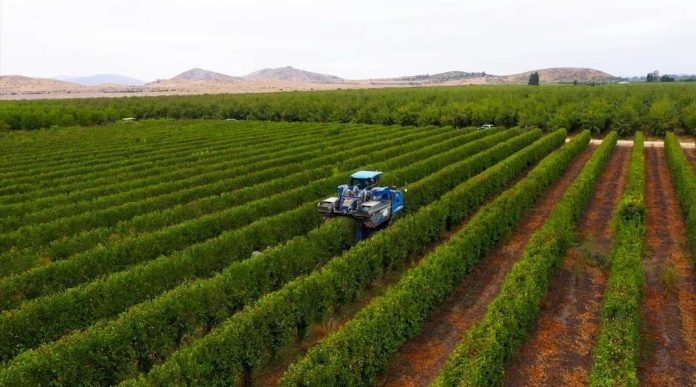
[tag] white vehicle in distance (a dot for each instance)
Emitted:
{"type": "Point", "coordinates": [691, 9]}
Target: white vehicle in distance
{"type": "Point", "coordinates": [486, 126]}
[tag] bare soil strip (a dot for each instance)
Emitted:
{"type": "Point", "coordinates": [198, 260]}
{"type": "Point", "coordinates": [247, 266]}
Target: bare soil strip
{"type": "Point", "coordinates": [271, 374]}
{"type": "Point", "coordinates": [559, 350]}
{"type": "Point", "coordinates": [419, 361]}
{"type": "Point", "coordinates": [668, 313]}
{"type": "Point", "coordinates": [691, 155]}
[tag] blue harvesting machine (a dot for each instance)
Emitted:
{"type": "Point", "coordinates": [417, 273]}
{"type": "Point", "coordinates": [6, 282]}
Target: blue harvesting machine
{"type": "Point", "coordinates": [371, 206]}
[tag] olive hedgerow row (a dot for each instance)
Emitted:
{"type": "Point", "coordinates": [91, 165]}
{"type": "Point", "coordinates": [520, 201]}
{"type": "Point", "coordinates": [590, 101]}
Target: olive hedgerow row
{"type": "Point", "coordinates": [481, 356]}
{"type": "Point", "coordinates": [186, 294]}
{"type": "Point", "coordinates": [61, 155]}
{"type": "Point", "coordinates": [18, 260]}
{"type": "Point", "coordinates": [209, 170]}
{"type": "Point", "coordinates": [199, 155]}
{"type": "Point", "coordinates": [215, 133]}
{"type": "Point", "coordinates": [108, 210]}
{"type": "Point", "coordinates": [244, 341]}
{"type": "Point", "coordinates": [146, 334]}
{"type": "Point", "coordinates": [66, 310]}
{"type": "Point", "coordinates": [617, 351]}
{"type": "Point", "coordinates": [89, 264]}
{"type": "Point", "coordinates": [684, 178]}
{"type": "Point", "coordinates": [361, 349]}
{"type": "Point", "coordinates": [205, 152]}
{"type": "Point", "coordinates": [45, 177]}
{"type": "Point", "coordinates": [75, 144]}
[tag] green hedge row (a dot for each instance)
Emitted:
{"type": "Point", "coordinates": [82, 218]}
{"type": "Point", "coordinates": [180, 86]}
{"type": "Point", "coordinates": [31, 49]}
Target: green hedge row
{"type": "Point", "coordinates": [147, 147]}
{"type": "Point", "coordinates": [125, 166]}
{"type": "Point", "coordinates": [146, 334]}
{"type": "Point", "coordinates": [80, 306]}
{"type": "Point", "coordinates": [46, 166]}
{"type": "Point", "coordinates": [63, 147]}
{"type": "Point", "coordinates": [684, 178]}
{"type": "Point", "coordinates": [201, 158]}
{"type": "Point", "coordinates": [617, 351]}
{"type": "Point", "coordinates": [16, 261]}
{"type": "Point", "coordinates": [55, 220]}
{"type": "Point", "coordinates": [90, 264]}
{"type": "Point", "coordinates": [596, 108]}
{"type": "Point", "coordinates": [361, 349]}
{"type": "Point", "coordinates": [246, 340]}
{"type": "Point", "coordinates": [481, 356]}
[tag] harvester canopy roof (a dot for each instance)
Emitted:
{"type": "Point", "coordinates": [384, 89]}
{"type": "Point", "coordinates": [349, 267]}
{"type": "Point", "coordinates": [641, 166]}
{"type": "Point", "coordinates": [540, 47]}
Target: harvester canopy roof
{"type": "Point", "coordinates": [366, 174]}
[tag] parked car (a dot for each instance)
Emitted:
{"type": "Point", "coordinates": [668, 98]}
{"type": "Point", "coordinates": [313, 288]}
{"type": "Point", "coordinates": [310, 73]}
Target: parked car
{"type": "Point", "coordinates": [486, 126]}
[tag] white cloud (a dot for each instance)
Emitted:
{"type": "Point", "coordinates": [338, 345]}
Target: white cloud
{"type": "Point", "coordinates": [355, 39]}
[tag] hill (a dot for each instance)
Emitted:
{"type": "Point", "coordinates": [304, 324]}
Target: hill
{"type": "Point", "coordinates": [560, 74]}
{"type": "Point", "coordinates": [438, 78]}
{"type": "Point", "coordinates": [16, 84]}
{"type": "Point", "coordinates": [292, 74]}
{"type": "Point", "coordinates": [203, 75]}
{"type": "Point", "coordinates": [102, 79]}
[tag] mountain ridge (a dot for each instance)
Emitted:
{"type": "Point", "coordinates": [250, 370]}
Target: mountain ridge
{"type": "Point", "coordinates": [101, 79]}
{"type": "Point", "coordinates": [197, 81]}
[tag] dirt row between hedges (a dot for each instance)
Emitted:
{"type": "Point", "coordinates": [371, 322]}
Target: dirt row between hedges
{"type": "Point", "coordinates": [559, 349]}
{"type": "Point", "coordinates": [668, 313]}
{"type": "Point", "coordinates": [420, 360]}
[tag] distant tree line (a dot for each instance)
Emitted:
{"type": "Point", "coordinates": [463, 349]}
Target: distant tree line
{"type": "Point", "coordinates": [655, 77]}
{"type": "Point", "coordinates": [626, 108]}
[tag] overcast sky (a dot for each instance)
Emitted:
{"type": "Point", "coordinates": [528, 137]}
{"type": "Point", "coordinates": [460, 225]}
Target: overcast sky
{"type": "Point", "coordinates": [149, 39]}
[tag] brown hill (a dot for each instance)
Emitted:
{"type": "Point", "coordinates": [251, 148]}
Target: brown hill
{"type": "Point", "coordinates": [292, 74]}
{"type": "Point", "coordinates": [560, 74]}
{"type": "Point", "coordinates": [18, 84]}
{"type": "Point", "coordinates": [204, 75]}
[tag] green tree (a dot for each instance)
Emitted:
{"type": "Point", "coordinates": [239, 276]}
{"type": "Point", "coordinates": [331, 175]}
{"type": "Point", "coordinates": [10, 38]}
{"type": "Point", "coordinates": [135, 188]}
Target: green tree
{"type": "Point", "coordinates": [662, 117]}
{"type": "Point", "coordinates": [688, 117]}
{"type": "Point", "coordinates": [666, 78]}
{"type": "Point", "coordinates": [534, 79]}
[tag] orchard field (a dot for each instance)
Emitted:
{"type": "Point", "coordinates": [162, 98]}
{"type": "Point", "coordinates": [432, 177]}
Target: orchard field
{"type": "Point", "coordinates": [177, 251]}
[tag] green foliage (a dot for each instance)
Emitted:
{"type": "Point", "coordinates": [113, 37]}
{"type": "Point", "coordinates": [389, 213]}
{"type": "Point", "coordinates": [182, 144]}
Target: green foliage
{"type": "Point", "coordinates": [356, 353]}
{"type": "Point", "coordinates": [596, 117]}
{"type": "Point", "coordinates": [481, 356]}
{"type": "Point", "coordinates": [662, 116]}
{"type": "Point", "coordinates": [688, 115]}
{"type": "Point", "coordinates": [684, 178]}
{"type": "Point", "coordinates": [139, 248]}
{"type": "Point", "coordinates": [508, 106]}
{"type": "Point", "coordinates": [533, 79]}
{"type": "Point", "coordinates": [146, 334]}
{"type": "Point", "coordinates": [617, 349]}
{"type": "Point", "coordinates": [244, 341]}
{"type": "Point", "coordinates": [80, 306]}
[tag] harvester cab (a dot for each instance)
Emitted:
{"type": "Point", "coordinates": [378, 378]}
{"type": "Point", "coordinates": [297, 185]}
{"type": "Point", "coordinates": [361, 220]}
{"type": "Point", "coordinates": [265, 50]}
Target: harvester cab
{"type": "Point", "coordinates": [362, 199]}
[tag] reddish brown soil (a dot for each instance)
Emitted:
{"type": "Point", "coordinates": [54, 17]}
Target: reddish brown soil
{"type": "Point", "coordinates": [559, 349]}
{"type": "Point", "coordinates": [668, 313]}
{"type": "Point", "coordinates": [271, 374]}
{"type": "Point", "coordinates": [691, 155]}
{"type": "Point", "coordinates": [419, 361]}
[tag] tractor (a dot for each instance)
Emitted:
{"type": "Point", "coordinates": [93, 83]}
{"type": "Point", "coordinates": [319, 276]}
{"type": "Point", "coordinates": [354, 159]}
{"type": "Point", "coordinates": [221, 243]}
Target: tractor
{"type": "Point", "coordinates": [368, 204]}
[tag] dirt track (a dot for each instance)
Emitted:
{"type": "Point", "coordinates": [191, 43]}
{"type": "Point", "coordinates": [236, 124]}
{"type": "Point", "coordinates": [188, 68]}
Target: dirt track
{"type": "Point", "coordinates": [691, 155]}
{"type": "Point", "coordinates": [668, 313]}
{"type": "Point", "coordinates": [559, 350]}
{"type": "Point", "coordinates": [419, 361]}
